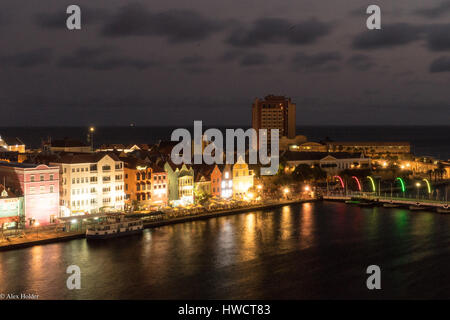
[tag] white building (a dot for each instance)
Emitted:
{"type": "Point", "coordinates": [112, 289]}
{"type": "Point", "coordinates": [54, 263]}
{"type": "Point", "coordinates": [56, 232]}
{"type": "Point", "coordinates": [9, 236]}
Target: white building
{"type": "Point", "coordinates": [332, 163]}
{"type": "Point", "coordinates": [91, 183]}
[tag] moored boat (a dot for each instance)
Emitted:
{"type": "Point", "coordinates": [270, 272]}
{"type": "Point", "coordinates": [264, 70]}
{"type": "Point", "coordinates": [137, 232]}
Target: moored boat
{"type": "Point", "coordinates": [117, 228]}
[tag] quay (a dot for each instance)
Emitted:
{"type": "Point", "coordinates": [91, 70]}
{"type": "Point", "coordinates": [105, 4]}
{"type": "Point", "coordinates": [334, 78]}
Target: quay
{"type": "Point", "coordinates": [405, 202]}
{"type": "Point", "coordinates": [54, 236]}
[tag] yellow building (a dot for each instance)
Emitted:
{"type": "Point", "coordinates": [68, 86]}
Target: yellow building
{"type": "Point", "coordinates": [242, 179]}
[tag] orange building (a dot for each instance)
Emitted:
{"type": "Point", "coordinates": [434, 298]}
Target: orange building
{"type": "Point", "coordinates": [216, 180]}
{"type": "Point", "coordinates": [138, 182]}
{"type": "Point", "coordinates": [160, 190]}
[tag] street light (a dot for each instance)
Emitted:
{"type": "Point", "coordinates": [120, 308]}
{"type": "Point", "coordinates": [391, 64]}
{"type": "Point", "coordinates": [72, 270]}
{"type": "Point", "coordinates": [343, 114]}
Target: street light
{"type": "Point", "coordinates": [418, 188]}
{"type": "Point", "coordinates": [36, 224]}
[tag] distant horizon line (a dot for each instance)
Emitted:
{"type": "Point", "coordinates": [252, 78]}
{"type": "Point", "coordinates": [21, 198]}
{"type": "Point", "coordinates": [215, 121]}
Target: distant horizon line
{"type": "Point", "coordinates": [220, 126]}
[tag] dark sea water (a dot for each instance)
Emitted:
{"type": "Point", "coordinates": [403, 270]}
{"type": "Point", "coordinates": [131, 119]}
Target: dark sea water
{"type": "Point", "coordinates": [426, 141]}
{"type": "Point", "coordinates": [305, 251]}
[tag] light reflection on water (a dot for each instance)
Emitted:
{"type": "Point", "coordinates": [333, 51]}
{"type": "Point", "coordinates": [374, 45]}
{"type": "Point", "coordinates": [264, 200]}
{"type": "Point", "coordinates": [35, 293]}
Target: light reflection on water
{"type": "Point", "coordinates": [310, 250]}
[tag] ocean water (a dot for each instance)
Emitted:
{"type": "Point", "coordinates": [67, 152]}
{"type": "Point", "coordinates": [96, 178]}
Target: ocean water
{"type": "Point", "coordinates": [425, 140]}
{"type": "Point", "coordinates": [305, 251]}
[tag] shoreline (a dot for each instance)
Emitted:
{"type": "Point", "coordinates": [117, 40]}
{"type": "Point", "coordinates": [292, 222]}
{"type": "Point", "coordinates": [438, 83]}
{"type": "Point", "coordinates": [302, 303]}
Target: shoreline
{"type": "Point", "coordinates": [156, 224]}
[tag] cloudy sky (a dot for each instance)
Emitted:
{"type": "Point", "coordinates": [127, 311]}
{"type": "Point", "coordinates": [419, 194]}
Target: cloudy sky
{"type": "Point", "coordinates": [169, 62]}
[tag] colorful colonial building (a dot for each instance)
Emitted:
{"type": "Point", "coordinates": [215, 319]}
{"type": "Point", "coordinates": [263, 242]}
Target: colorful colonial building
{"type": "Point", "coordinates": [38, 184]}
{"type": "Point", "coordinates": [12, 214]}
{"type": "Point", "coordinates": [242, 179]}
{"type": "Point", "coordinates": [181, 183]}
{"type": "Point", "coordinates": [91, 183]}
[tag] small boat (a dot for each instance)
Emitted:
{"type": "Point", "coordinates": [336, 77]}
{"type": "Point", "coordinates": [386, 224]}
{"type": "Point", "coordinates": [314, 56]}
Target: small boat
{"type": "Point", "coordinates": [352, 202]}
{"type": "Point", "coordinates": [443, 209]}
{"type": "Point", "coordinates": [390, 205]}
{"type": "Point", "coordinates": [116, 228]}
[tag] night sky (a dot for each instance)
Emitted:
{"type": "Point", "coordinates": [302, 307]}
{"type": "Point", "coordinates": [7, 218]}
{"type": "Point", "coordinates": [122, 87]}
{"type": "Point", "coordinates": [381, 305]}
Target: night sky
{"type": "Point", "coordinates": [165, 62]}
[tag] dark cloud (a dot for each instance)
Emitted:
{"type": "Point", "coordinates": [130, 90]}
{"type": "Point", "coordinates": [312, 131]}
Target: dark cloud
{"type": "Point", "coordinates": [175, 25]}
{"type": "Point", "coordinates": [440, 10]}
{"type": "Point", "coordinates": [27, 59]}
{"type": "Point", "coordinates": [438, 37]}
{"type": "Point", "coordinates": [101, 58]}
{"type": "Point", "coordinates": [190, 60]}
{"type": "Point", "coordinates": [233, 55]}
{"type": "Point", "coordinates": [275, 30]}
{"type": "Point", "coordinates": [360, 62]}
{"type": "Point", "coordinates": [254, 59]}
{"type": "Point", "coordinates": [441, 64]}
{"type": "Point", "coordinates": [389, 36]}
{"type": "Point", "coordinates": [323, 61]}
{"type": "Point", "coordinates": [57, 19]}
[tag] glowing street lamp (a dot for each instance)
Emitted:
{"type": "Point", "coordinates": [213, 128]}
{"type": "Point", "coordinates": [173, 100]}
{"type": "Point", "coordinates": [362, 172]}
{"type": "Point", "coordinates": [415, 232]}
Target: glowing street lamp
{"type": "Point", "coordinates": [259, 187]}
{"type": "Point", "coordinates": [286, 190]}
{"type": "Point", "coordinates": [307, 188]}
{"type": "Point", "coordinates": [418, 185]}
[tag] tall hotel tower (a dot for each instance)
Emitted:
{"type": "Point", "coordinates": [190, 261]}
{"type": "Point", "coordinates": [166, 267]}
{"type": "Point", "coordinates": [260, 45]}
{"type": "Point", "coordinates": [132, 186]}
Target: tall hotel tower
{"type": "Point", "coordinates": [274, 112]}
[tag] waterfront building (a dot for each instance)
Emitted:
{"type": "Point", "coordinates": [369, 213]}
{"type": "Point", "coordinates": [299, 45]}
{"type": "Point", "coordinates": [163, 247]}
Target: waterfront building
{"type": "Point", "coordinates": [12, 213]}
{"type": "Point", "coordinates": [202, 180]}
{"type": "Point", "coordinates": [274, 112]}
{"type": "Point", "coordinates": [309, 146]}
{"type": "Point", "coordinates": [216, 180]}
{"type": "Point", "coordinates": [242, 179]}
{"type": "Point", "coordinates": [138, 182]}
{"type": "Point", "coordinates": [181, 183]}
{"type": "Point", "coordinates": [332, 163]}
{"type": "Point", "coordinates": [13, 144]}
{"type": "Point", "coordinates": [371, 149]}
{"type": "Point", "coordinates": [291, 144]}
{"type": "Point", "coordinates": [39, 186]}
{"type": "Point", "coordinates": [91, 183]}
{"type": "Point", "coordinates": [226, 184]}
{"type": "Point", "coordinates": [122, 148]}
{"type": "Point", "coordinates": [160, 186]}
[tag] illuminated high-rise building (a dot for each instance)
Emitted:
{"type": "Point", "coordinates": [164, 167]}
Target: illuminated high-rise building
{"type": "Point", "coordinates": [274, 112]}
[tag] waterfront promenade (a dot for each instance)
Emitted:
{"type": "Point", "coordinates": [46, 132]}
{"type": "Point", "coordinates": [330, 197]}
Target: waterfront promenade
{"type": "Point", "coordinates": [38, 236]}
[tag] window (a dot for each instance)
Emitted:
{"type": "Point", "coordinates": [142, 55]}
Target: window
{"type": "Point", "coordinates": [73, 180]}
{"type": "Point", "coordinates": [41, 189]}
{"type": "Point", "coordinates": [32, 178]}
{"type": "Point", "coordinates": [106, 179]}
{"type": "Point", "coordinates": [51, 177]}
{"type": "Point", "coordinates": [78, 169]}
{"type": "Point", "coordinates": [51, 189]}
{"type": "Point", "coordinates": [93, 190]}
{"type": "Point", "coordinates": [73, 169]}
{"type": "Point", "coordinates": [65, 170]}
{"type": "Point", "coordinates": [106, 168]}
{"type": "Point", "coordinates": [93, 167]}
{"type": "Point", "coordinates": [78, 180]}
{"type": "Point", "coordinates": [32, 190]}
{"type": "Point", "coordinates": [93, 179]}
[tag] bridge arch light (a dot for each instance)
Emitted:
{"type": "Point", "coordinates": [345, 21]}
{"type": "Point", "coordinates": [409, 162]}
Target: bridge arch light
{"type": "Point", "coordinates": [342, 181]}
{"type": "Point", "coordinates": [372, 182]}
{"type": "Point", "coordinates": [402, 183]}
{"type": "Point", "coordinates": [357, 181]}
{"type": "Point", "coordinates": [428, 185]}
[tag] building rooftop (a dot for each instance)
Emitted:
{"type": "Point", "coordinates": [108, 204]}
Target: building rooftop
{"type": "Point", "coordinates": [21, 165]}
{"type": "Point", "coordinates": [369, 143]}
{"type": "Point", "coordinates": [308, 156]}
{"type": "Point", "coordinates": [85, 157]}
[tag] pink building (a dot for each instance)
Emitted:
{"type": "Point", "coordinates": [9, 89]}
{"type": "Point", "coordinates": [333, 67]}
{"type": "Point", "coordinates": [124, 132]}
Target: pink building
{"type": "Point", "coordinates": [38, 184]}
